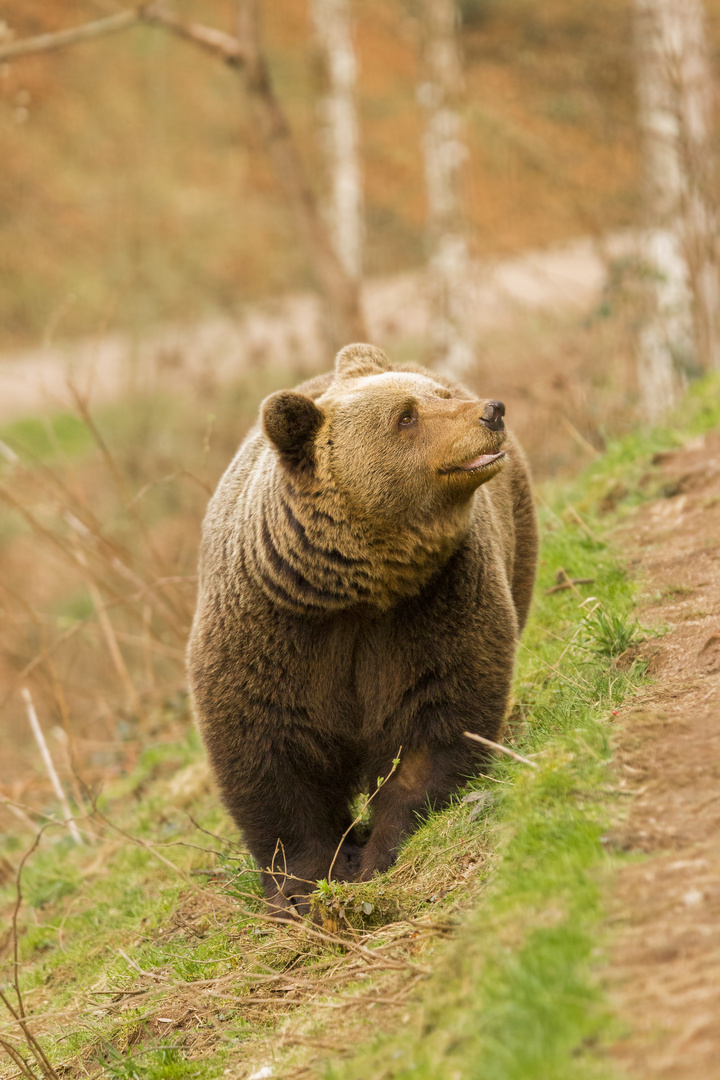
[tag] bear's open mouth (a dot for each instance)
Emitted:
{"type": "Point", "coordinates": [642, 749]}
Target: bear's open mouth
{"type": "Point", "coordinates": [476, 464]}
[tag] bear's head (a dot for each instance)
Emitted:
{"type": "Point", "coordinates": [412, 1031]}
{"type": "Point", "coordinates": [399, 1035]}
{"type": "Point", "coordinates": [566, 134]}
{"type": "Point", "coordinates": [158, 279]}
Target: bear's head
{"type": "Point", "coordinates": [398, 445]}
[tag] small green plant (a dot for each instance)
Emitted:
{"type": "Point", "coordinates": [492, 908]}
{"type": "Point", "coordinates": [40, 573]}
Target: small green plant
{"type": "Point", "coordinates": [162, 1062]}
{"type": "Point", "coordinates": [609, 634]}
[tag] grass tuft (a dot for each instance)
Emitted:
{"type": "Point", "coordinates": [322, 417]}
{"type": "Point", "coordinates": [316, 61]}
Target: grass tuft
{"type": "Point", "coordinates": [608, 634]}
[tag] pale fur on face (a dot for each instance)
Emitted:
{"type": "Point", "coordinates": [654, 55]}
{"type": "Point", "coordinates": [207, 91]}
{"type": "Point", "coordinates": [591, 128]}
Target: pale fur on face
{"type": "Point", "coordinates": [386, 469]}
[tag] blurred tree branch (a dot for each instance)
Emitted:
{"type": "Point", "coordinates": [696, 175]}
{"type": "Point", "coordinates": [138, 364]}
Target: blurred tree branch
{"type": "Point", "coordinates": [245, 53]}
{"type": "Point", "coordinates": [59, 39]}
{"type": "Point", "coordinates": [223, 45]}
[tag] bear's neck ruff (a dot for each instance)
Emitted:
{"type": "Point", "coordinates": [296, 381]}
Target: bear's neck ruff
{"type": "Point", "coordinates": [305, 553]}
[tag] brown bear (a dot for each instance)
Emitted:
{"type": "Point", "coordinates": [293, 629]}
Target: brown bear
{"type": "Point", "coordinates": [366, 567]}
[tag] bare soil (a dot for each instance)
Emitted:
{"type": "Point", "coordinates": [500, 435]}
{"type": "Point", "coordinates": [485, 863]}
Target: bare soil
{"type": "Point", "coordinates": [665, 968]}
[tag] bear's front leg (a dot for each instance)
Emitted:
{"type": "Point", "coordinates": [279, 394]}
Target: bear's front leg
{"type": "Point", "coordinates": [289, 882]}
{"type": "Point", "coordinates": [424, 781]}
{"type": "Point", "coordinates": [293, 814]}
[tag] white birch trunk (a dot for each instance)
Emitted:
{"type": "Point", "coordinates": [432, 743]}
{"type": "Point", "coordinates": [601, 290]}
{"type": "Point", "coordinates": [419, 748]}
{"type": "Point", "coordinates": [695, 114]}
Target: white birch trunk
{"type": "Point", "coordinates": [679, 247]}
{"type": "Point", "coordinates": [445, 153]}
{"type": "Point", "coordinates": [341, 135]}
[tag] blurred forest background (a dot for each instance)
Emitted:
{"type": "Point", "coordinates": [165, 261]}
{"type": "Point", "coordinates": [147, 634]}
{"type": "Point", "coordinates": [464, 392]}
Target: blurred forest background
{"type": "Point", "coordinates": [154, 286]}
{"type": "Point", "coordinates": [135, 190]}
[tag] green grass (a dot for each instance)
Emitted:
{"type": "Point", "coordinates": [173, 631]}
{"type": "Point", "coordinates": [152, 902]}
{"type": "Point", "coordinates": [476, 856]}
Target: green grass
{"type": "Point", "coordinates": [518, 866]}
{"type": "Point", "coordinates": [61, 436]}
{"type": "Point", "coordinates": [624, 476]}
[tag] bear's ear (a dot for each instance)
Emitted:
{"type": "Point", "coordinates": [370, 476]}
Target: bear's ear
{"type": "Point", "coordinates": [290, 421]}
{"type": "Point", "coordinates": [356, 360]}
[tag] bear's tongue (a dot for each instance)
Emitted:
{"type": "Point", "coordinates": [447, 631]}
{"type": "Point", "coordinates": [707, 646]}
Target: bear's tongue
{"type": "Point", "coordinates": [481, 462]}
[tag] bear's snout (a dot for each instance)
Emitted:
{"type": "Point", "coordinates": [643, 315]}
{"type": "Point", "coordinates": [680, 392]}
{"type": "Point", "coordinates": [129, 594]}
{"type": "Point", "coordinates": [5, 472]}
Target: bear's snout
{"type": "Point", "coordinates": [493, 414]}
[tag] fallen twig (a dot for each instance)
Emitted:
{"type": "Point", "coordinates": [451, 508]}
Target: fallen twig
{"type": "Point", "coordinates": [501, 748]}
{"type": "Point", "coordinates": [564, 581]}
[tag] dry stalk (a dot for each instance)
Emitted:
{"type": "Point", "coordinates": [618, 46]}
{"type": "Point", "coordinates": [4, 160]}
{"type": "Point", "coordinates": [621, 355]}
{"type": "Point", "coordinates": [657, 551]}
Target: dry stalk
{"type": "Point", "coordinates": [49, 765]}
{"type": "Point", "coordinates": [334, 939]}
{"type": "Point", "coordinates": [66, 734]}
{"type": "Point", "coordinates": [216, 836]}
{"type": "Point", "coordinates": [501, 748]}
{"type": "Point", "coordinates": [579, 439]}
{"type": "Point", "coordinates": [108, 631]}
{"type": "Point", "coordinates": [18, 812]}
{"type": "Point", "coordinates": [147, 642]}
{"type": "Point", "coordinates": [17, 1059]}
{"type": "Point", "coordinates": [65, 636]}
{"type": "Point", "coordinates": [49, 820]}
{"type": "Point", "coordinates": [150, 848]}
{"type": "Point", "coordinates": [564, 581]}
{"type": "Point", "coordinates": [178, 474]}
{"type": "Point", "coordinates": [552, 667]}
{"type": "Point", "coordinates": [116, 558]}
{"type": "Point", "coordinates": [81, 404]}
{"type": "Point", "coordinates": [582, 524]}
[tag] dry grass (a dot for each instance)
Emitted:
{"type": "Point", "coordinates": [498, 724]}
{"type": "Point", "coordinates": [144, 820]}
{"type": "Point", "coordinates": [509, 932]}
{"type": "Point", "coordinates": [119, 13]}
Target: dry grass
{"type": "Point", "coordinates": [98, 570]}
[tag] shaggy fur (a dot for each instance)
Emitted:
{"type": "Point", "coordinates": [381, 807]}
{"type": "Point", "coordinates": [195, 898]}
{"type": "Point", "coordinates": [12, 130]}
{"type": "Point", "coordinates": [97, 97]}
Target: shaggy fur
{"type": "Point", "coordinates": [367, 564]}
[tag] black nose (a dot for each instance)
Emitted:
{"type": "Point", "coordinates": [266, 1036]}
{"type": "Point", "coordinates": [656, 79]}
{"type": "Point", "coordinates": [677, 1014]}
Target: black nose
{"type": "Point", "coordinates": [493, 414]}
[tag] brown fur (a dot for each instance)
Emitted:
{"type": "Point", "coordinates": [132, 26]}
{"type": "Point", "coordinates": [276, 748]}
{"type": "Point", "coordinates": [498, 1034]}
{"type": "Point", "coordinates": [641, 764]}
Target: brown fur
{"type": "Point", "coordinates": [359, 591]}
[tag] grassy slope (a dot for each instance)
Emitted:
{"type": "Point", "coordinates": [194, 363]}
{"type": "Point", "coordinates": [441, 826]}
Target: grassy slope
{"type": "Point", "coordinates": [517, 995]}
{"type": "Point", "coordinates": [113, 938]}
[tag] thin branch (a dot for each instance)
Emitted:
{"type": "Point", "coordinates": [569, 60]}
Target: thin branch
{"type": "Point", "coordinates": [18, 1059]}
{"type": "Point", "coordinates": [227, 47]}
{"type": "Point", "coordinates": [108, 631]}
{"type": "Point", "coordinates": [76, 34]}
{"type": "Point", "coordinates": [18, 1013]}
{"type": "Point", "coordinates": [501, 748]}
{"type": "Point", "coordinates": [343, 838]}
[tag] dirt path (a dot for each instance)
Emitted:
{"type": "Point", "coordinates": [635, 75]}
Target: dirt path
{"type": "Point", "coordinates": [666, 963]}
{"type": "Point", "coordinates": [287, 332]}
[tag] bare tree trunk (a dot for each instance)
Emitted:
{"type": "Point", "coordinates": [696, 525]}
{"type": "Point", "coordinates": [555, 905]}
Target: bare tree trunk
{"type": "Point", "coordinates": [679, 245]}
{"type": "Point", "coordinates": [341, 134]}
{"type": "Point", "coordinates": [341, 290]}
{"type": "Point", "coordinates": [445, 155]}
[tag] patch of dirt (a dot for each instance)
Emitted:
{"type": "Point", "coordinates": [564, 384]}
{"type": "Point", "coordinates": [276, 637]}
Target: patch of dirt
{"type": "Point", "coordinates": [665, 971]}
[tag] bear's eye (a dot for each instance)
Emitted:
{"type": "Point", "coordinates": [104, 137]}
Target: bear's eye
{"type": "Point", "coordinates": [407, 418]}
